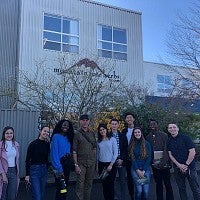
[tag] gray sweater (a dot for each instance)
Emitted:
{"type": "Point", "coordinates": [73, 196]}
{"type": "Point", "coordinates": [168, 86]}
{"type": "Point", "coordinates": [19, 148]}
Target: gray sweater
{"type": "Point", "coordinates": [107, 150]}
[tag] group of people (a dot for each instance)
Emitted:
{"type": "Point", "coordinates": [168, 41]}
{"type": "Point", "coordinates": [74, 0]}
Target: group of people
{"type": "Point", "coordinates": [128, 153]}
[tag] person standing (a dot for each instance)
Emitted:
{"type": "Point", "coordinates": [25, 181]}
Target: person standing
{"type": "Point", "coordinates": [9, 165]}
{"type": "Point", "coordinates": [37, 164]}
{"type": "Point", "coordinates": [84, 155]}
{"type": "Point", "coordinates": [107, 153]}
{"type": "Point", "coordinates": [60, 154]}
{"type": "Point", "coordinates": [140, 153]}
{"type": "Point", "coordinates": [161, 169]}
{"type": "Point", "coordinates": [181, 151]}
{"type": "Point", "coordinates": [122, 155]}
{"type": "Point", "coordinates": [127, 131]}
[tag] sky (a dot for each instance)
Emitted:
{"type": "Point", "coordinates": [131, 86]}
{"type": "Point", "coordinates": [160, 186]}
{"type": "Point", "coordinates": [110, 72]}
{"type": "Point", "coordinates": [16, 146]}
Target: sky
{"type": "Point", "coordinates": [157, 19]}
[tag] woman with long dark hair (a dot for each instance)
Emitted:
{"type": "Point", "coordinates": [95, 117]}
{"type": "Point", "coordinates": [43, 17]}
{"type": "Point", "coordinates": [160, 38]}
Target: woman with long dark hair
{"type": "Point", "coordinates": [139, 151]}
{"type": "Point", "coordinates": [37, 163]}
{"type": "Point", "coordinates": [60, 154]}
{"type": "Point", "coordinates": [9, 165]}
{"type": "Point", "coordinates": [107, 153]}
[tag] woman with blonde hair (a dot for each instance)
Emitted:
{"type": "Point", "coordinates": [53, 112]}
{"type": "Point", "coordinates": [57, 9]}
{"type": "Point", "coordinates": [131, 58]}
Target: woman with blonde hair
{"type": "Point", "coordinates": [139, 151]}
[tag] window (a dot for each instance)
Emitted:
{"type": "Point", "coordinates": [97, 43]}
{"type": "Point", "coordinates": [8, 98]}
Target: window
{"type": "Point", "coordinates": [164, 84]}
{"type": "Point", "coordinates": [60, 34]}
{"type": "Point", "coordinates": [112, 42]}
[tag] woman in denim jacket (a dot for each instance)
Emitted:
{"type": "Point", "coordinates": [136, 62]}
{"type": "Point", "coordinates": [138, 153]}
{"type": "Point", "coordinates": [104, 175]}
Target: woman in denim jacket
{"type": "Point", "coordinates": [140, 154]}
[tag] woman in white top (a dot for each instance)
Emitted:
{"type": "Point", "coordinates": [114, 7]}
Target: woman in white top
{"type": "Point", "coordinates": [107, 153]}
{"type": "Point", "coordinates": [9, 165]}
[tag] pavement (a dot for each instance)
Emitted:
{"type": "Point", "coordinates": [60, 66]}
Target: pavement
{"type": "Point", "coordinates": [97, 193]}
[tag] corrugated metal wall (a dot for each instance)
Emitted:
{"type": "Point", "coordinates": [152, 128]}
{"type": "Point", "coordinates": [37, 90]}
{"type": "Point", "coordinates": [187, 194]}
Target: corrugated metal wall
{"type": "Point", "coordinates": [9, 44]}
{"type": "Point", "coordinates": [25, 124]}
{"type": "Point", "coordinates": [89, 14]}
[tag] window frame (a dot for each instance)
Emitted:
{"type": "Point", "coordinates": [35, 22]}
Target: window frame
{"type": "Point", "coordinates": [112, 50]}
{"type": "Point", "coordinates": [62, 34]}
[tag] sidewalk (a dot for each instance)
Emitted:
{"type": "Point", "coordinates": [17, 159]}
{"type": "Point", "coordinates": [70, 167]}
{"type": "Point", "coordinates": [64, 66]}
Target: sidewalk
{"type": "Point", "coordinates": [96, 191]}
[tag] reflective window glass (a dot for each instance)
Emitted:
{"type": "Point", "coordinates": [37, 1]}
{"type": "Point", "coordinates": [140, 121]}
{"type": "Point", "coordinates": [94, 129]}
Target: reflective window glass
{"type": "Point", "coordinates": [105, 54]}
{"type": "Point", "coordinates": [119, 35]}
{"type": "Point", "coordinates": [52, 36]}
{"type": "Point", "coordinates": [66, 26]}
{"type": "Point", "coordinates": [74, 27]}
{"type": "Point", "coordinates": [105, 45]}
{"type": "Point", "coordinates": [52, 23]}
{"type": "Point", "coordinates": [119, 47]}
{"type": "Point", "coordinates": [52, 46]}
{"type": "Point", "coordinates": [70, 48]}
{"type": "Point", "coordinates": [114, 40]}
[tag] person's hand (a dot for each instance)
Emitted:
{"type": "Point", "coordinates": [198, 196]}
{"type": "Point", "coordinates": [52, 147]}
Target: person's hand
{"type": "Point", "coordinates": [109, 168]}
{"type": "Point", "coordinates": [119, 162]}
{"type": "Point", "coordinates": [27, 179]}
{"type": "Point", "coordinates": [4, 177]}
{"type": "Point", "coordinates": [140, 173]}
{"type": "Point", "coordinates": [183, 168]}
{"type": "Point", "coordinates": [77, 170]}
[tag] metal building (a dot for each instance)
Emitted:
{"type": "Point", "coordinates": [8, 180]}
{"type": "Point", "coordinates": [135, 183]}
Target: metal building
{"type": "Point", "coordinates": [41, 30]}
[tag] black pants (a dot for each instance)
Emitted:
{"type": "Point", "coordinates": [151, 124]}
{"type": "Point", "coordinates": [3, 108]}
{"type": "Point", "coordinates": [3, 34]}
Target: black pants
{"type": "Point", "coordinates": [66, 165]}
{"type": "Point", "coordinates": [160, 176]}
{"type": "Point", "coordinates": [130, 180]}
{"type": "Point", "coordinates": [108, 183]}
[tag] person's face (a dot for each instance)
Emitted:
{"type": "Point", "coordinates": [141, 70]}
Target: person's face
{"type": "Point", "coordinates": [65, 126]}
{"type": "Point", "coordinates": [102, 131]}
{"type": "Point", "coordinates": [114, 125]}
{"type": "Point", "coordinates": [9, 134]}
{"type": "Point", "coordinates": [153, 125]}
{"type": "Point", "coordinates": [173, 129]}
{"type": "Point", "coordinates": [44, 133]}
{"type": "Point", "coordinates": [84, 123]}
{"type": "Point", "coordinates": [129, 120]}
{"type": "Point", "coordinates": [137, 134]}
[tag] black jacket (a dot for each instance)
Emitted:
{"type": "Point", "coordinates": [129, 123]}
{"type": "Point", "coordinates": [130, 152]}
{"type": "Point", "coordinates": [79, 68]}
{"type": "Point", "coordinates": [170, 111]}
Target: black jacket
{"type": "Point", "coordinates": [123, 145]}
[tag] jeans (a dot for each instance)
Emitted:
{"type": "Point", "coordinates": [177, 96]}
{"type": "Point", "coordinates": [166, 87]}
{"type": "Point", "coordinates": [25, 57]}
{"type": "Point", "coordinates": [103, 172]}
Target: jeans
{"type": "Point", "coordinates": [160, 176]}
{"type": "Point", "coordinates": [108, 183]}
{"type": "Point", "coordinates": [9, 191]}
{"type": "Point", "coordinates": [193, 182]}
{"type": "Point", "coordinates": [38, 177]}
{"type": "Point", "coordinates": [142, 191]}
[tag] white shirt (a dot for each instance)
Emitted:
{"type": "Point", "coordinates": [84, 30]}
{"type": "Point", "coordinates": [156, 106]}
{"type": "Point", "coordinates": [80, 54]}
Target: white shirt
{"type": "Point", "coordinates": [11, 153]}
{"type": "Point", "coordinates": [129, 134]}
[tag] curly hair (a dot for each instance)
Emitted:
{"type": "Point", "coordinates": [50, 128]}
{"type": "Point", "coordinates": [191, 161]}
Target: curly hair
{"type": "Point", "coordinates": [70, 131]}
{"type": "Point", "coordinates": [133, 142]}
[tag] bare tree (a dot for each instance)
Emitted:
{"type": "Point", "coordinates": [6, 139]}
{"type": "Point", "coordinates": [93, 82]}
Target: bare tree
{"type": "Point", "coordinates": [184, 48]}
{"type": "Point", "coordinates": [76, 86]}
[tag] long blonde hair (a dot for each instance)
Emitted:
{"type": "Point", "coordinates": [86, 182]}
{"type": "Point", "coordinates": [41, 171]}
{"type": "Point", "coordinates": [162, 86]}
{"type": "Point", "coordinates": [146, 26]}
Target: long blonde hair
{"type": "Point", "coordinates": [133, 142]}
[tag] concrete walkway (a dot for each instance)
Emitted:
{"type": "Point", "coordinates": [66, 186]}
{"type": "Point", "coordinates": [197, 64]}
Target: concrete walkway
{"type": "Point", "coordinates": [96, 191]}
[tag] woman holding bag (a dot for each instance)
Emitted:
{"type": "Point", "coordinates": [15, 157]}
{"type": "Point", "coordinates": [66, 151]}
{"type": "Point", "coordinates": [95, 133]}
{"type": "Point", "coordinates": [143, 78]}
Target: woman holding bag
{"type": "Point", "coordinates": [107, 153]}
{"type": "Point", "coordinates": [140, 153]}
{"type": "Point", "coordinates": [9, 165]}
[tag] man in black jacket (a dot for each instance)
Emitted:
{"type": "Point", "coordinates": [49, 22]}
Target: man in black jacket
{"type": "Point", "coordinates": [160, 164]}
{"type": "Point", "coordinates": [122, 154]}
{"type": "Point", "coordinates": [127, 131]}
